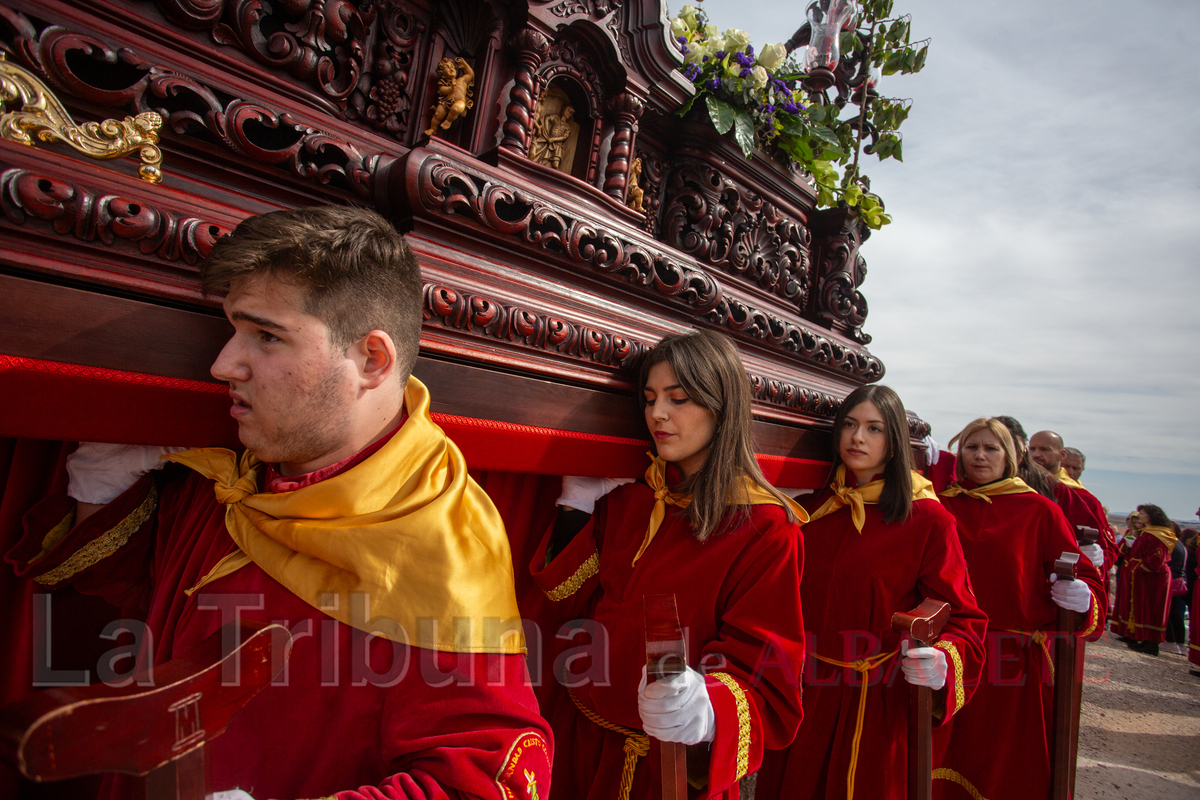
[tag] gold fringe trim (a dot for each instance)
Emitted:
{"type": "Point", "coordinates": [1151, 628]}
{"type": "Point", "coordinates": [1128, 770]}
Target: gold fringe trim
{"type": "Point", "coordinates": [743, 715]}
{"type": "Point", "coordinates": [571, 585]}
{"type": "Point", "coordinates": [960, 694]}
{"type": "Point", "coordinates": [945, 774]}
{"type": "Point", "coordinates": [102, 546]}
{"type": "Point", "coordinates": [1093, 617]}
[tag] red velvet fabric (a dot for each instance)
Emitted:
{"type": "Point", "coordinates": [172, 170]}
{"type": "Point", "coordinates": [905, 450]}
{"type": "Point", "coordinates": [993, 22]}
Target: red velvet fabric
{"type": "Point", "coordinates": [1143, 592]}
{"type": "Point", "coordinates": [855, 582]}
{"type": "Point", "coordinates": [1007, 728]}
{"type": "Point", "coordinates": [738, 602]}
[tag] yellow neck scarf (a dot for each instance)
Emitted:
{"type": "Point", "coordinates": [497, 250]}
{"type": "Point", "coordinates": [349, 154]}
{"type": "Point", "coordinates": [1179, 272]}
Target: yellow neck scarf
{"type": "Point", "coordinates": [1164, 535]}
{"type": "Point", "coordinates": [407, 531]}
{"type": "Point", "coordinates": [1063, 477]}
{"type": "Point", "coordinates": [858, 497]}
{"type": "Point", "coordinates": [1013, 485]}
{"type": "Point", "coordinates": [656, 478]}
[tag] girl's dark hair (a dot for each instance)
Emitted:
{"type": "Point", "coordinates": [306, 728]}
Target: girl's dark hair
{"type": "Point", "coordinates": [896, 499]}
{"type": "Point", "coordinates": [710, 370]}
{"type": "Point", "coordinates": [1034, 476]}
{"type": "Point", "coordinates": [1157, 515]}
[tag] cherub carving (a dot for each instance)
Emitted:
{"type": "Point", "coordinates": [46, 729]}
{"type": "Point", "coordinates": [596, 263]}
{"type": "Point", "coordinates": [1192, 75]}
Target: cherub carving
{"type": "Point", "coordinates": [456, 84]}
{"type": "Point", "coordinates": [635, 195]}
{"type": "Point", "coordinates": [550, 137]}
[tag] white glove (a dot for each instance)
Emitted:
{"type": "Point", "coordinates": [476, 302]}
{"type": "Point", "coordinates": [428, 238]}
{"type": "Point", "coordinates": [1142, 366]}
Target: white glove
{"type": "Point", "coordinates": [232, 794]}
{"type": "Point", "coordinates": [582, 493]}
{"type": "Point", "coordinates": [100, 473]}
{"type": "Point", "coordinates": [923, 666]}
{"type": "Point", "coordinates": [677, 709]}
{"type": "Point", "coordinates": [1071, 595]}
{"type": "Point", "coordinates": [931, 449]}
{"type": "Point", "coordinates": [1094, 553]}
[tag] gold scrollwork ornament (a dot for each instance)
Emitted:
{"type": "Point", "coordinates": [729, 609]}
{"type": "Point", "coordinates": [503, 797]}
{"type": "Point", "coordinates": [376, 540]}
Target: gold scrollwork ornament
{"type": "Point", "coordinates": [42, 115]}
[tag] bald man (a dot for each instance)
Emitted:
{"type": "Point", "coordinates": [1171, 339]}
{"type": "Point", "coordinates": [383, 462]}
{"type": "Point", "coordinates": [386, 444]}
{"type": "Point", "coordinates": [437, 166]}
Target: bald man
{"type": "Point", "coordinates": [1080, 505]}
{"type": "Point", "coordinates": [1073, 462]}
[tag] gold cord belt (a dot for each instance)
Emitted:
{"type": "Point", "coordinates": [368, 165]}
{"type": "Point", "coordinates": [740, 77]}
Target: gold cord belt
{"type": "Point", "coordinates": [1038, 638]}
{"type": "Point", "coordinates": [862, 666]}
{"type": "Point", "coordinates": [637, 744]}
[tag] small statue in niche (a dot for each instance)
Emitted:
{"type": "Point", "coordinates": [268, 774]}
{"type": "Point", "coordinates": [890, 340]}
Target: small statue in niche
{"type": "Point", "coordinates": [456, 84]}
{"type": "Point", "coordinates": [635, 194]}
{"type": "Point", "coordinates": [550, 138]}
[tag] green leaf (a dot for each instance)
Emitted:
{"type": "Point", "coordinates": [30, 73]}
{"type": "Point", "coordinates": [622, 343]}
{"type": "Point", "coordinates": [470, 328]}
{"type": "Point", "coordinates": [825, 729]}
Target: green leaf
{"type": "Point", "coordinates": [743, 132]}
{"type": "Point", "coordinates": [919, 62]}
{"type": "Point", "coordinates": [826, 135]}
{"type": "Point", "coordinates": [721, 114]}
{"type": "Point", "coordinates": [898, 151]}
{"type": "Point", "coordinates": [688, 105]}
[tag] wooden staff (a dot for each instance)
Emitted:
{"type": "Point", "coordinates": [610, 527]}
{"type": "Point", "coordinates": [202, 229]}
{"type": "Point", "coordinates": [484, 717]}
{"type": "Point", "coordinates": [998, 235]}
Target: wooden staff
{"type": "Point", "coordinates": [1068, 678]}
{"type": "Point", "coordinates": [922, 624]}
{"type": "Point", "coordinates": [157, 731]}
{"type": "Point", "coordinates": [666, 656]}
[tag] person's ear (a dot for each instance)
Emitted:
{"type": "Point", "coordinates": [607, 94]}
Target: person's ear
{"type": "Point", "coordinates": [375, 356]}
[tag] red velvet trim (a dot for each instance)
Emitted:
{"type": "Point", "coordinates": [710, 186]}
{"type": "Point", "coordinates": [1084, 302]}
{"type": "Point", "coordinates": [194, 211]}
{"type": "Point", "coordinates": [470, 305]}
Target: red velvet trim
{"type": "Point", "coordinates": [51, 400]}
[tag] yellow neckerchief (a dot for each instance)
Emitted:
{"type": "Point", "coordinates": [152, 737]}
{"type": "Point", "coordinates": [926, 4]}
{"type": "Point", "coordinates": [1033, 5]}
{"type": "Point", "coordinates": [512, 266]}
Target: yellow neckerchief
{"type": "Point", "coordinates": [1164, 535]}
{"type": "Point", "coordinates": [656, 478]}
{"type": "Point", "coordinates": [1013, 485]}
{"type": "Point", "coordinates": [858, 497]}
{"type": "Point", "coordinates": [1063, 477]}
{"type": "Point", "coordinates": [406, 527]}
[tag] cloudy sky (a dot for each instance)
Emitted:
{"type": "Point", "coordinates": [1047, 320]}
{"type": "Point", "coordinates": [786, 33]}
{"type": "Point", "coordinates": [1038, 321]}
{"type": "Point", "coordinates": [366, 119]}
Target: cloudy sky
{"type": "Point", "coordinates": [1043, 258]}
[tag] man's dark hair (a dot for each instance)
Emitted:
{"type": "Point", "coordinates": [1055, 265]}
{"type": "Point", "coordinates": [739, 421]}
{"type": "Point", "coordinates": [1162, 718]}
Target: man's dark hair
{"type": "Point", "coordinates": [356, 271]}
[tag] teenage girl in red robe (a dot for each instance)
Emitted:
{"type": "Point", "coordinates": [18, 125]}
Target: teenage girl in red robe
{"type": "Point", "coordinates": [705, 526]}
{"type": "Point", "coordinates": [878, 542]}
{"type": "Point", "coordinates": [998, 747]}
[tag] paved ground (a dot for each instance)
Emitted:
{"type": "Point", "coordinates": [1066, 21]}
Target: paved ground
{"type": "Point", "coordinates": [1139, 734]}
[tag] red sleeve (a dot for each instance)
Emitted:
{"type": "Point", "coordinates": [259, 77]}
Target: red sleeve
{"type": "Point", "coordinates": [1060, 538]}
{"type": "Point", "coordinates": [563, 589]}
{"type": "Point", "coordinates": [944, 577]}
{"type": "Point", "coordinates": [110, 554]}
{"type": "Point", "coordinates": [486, 739]}
{"type": "Point", "coordinates": [756, 694]}
{"type": "Point", "coordinates": [1155, 555]}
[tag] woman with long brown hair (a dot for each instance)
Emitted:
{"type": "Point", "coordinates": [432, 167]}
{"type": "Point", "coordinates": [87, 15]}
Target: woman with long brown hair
{"type": "Point", "coordinates": [878, 542]}
{"type": "Point", "coordinates": [1144, 591]}
{"type": "Point", "coordinates": [705, 526]}
{"type": "Point", "coordinates": [1009, 533]}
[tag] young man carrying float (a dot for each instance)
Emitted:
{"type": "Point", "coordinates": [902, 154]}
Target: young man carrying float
{"type": "Point", "coordinates": [349, 514]}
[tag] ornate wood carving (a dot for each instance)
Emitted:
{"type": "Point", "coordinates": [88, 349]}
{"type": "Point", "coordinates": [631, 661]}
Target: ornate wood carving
{"type": "Point", "coordinates": [465, 26]}
{"type": "Point", "coordinates": [451, 189]}
{"type": "Point", "coordinates": [626, 110]}
{"type": "Point", "coordinates": [90, 215]}
{"type": "Point", "coordinates": [536, 330]}
{"type": "Point", "coordinates": [258, 133]}
{"type": "Point", "coordinates": [654, 174]}
{"type": "Point", "coordinates": [842, 271]}
{"type": "Point", "coordinates": [42, 115]}
{"type": "Point", "coordinates": [712, 218]}
{"type": "Point", "coordinates": [385, 101]}
{"type": "Point", "coordinates": [531, 49]}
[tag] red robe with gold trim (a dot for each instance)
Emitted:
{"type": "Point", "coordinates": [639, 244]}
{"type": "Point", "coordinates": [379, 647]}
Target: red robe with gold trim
{"type": "Point", "coordinates": [1194, 622]}
{"type": "Point", "coordinates": [855, 582]}
{"type": "Point", "coordinates": [739, 604]}
{"type": "Point", "coordinates": [1081, 507]}
{"type": "Point", "coordinates": [352, 715]}
{"type": "Point", "coordinates": [1143, 592]}
{"type": "Point", "coordinates": [1001, 742]}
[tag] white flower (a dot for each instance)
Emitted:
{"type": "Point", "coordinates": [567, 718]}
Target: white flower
{"type": "Point", "coordinates": [735, 39]}
{"type": "Point", "coordinates": [679, 28]}
{"type": "Point", "coordinates": [758, 77]}
{"type": "Point", "coordinates": [688, 13]}
{"type": "Point", "coordinates": [710, 31]}
{"type": "Point", "coordinates": [772, 56]}
{"type": "Point", "coordinates": [697, 50]}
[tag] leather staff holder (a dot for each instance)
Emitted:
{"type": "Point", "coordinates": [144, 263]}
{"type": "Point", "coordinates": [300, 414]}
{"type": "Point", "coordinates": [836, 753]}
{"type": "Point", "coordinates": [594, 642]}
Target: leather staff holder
{"type": "Point", "coordinates": [157, 731]}
{"type": "Point", "coordinates": [922, 624]}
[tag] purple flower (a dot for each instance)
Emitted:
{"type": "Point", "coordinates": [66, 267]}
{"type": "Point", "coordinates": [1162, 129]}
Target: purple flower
{"type": "Point", "coordinates": [749, 49]}
{"type": "Point", "coordinates": [691, 72]}
{"type": "Point", "coordinates": [719, 54]}
{"type": "Point", "coordinates": [768, 108]}
{"type": "Point", "coordinates": [770, 120]}
{"type": "Point", "coordinates": [704, 60]}
{"type": "Point", "coordinates": [714, 84]}
{"type": "Point", "coordinates": [745, 73]}
{"type": "Point", "coordinates": [681, 39]}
